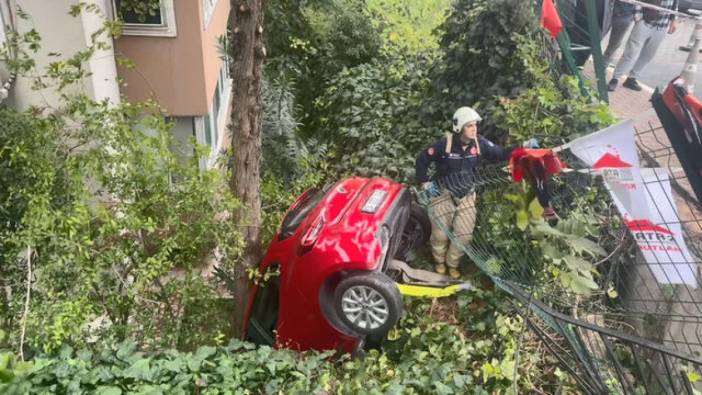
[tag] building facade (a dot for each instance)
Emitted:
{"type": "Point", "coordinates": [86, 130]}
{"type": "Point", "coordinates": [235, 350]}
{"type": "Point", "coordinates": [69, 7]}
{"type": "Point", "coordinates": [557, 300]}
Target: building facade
{"type": "Point", "coordinates": [173, 57]}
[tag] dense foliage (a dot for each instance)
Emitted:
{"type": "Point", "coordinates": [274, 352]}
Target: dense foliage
{"type": "Point", "coordinates": [116, 227]}
{"type": "Point", "coordinates": [469, 345]}
{"type": "Point", "coordinates": [407, 27]}
{"type": "Point", "coordinates": [142, 9]}
{"type": "Point", "coordinates": [369, 115]}
{"type": "Point", "coordinates": [109, 227]}
{"type": "Point", "coordinates": [120, 229]}
{"type": "Point", "coordinates": [481, 58]}
{"type": "Point", "coordinates": [310, 42]}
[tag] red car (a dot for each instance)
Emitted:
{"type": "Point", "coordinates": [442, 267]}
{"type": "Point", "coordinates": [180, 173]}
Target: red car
{"type": "Point", "coordinates": [328, 288]}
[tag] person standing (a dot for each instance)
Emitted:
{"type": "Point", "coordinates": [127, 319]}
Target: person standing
{"type": "Point", "coordinates": [576, 24]}
{"type": "Point", "coordinates": [622, 18]}
{"type": "Point", "coordinates": [649, 31]}
{"type": "Point", "coordinates": [453, 208]}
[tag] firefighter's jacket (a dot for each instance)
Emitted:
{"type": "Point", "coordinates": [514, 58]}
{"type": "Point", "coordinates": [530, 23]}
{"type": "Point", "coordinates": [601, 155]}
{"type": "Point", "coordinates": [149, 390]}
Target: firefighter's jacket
{"type": "Point", "coordinates": [455, 166]}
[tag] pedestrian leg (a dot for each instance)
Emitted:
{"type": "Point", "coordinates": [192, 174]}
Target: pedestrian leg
{"type": "Point", "coordinates": [648, 51]}
{"type": "Point", "coordinates": [463, 224]}
{"type": "Point", "coordinates": [619, 28]}
{"type": "Point", "coordinates": [441, 213]}
{"type": "Point", "coordinates": [636, 40]}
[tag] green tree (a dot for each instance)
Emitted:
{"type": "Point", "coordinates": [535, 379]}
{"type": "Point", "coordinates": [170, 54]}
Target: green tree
{"type": "Point", "coordinates": [310, 42]}
{"type": "Point", "coordinates": [480, 54]}
{"type": "Point", "coordinates": [370, 117]}
{"type": "Point", "coordinates": [408, 27]}
{"type": "Point", "coordinates": [106, 229]}
{"type": "Point", "coordinates": [247, 55]}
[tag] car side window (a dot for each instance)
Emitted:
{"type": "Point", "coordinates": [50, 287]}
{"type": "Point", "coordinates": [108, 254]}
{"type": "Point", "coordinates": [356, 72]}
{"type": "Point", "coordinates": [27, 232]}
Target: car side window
{"type": "Point", "coordinates": [298, 214]}
{"type": "Point", "coordinates": [264, 312]}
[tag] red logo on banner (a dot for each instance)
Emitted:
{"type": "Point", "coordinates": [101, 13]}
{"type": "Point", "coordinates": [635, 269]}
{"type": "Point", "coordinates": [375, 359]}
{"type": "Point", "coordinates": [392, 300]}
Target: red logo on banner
{"type": "Point", "coordinates": [611, 161]}
{"type": "Point", "coordinates": [652, 237]}
{"type": "Point", "coordinates": [644, 225]}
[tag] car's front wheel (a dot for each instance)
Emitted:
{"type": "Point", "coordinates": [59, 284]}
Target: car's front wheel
{"type": "Point", "coordinates": [368, 303]}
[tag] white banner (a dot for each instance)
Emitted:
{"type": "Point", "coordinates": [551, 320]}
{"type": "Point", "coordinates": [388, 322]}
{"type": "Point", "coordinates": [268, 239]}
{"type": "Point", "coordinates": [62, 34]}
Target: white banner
{"type": "Point", "coordinates": [644, 198]}
{"type": "Point", "coordinates": [660, 236]}
{"type": "Point", "coordinates": [612, 151]}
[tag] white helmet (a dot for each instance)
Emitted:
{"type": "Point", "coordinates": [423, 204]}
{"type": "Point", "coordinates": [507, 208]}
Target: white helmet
{"type": "Point", "coordinates": [462, 116]}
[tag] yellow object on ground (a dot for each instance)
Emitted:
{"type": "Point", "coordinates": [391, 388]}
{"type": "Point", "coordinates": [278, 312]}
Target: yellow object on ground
{"type": "Point", "coordinates": [432, 292]}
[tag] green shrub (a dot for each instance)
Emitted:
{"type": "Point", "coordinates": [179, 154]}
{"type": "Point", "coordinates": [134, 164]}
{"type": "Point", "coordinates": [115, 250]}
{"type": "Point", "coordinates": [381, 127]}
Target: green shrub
{"type": "Point", "coordinates": [310, 42]}
{"type": "Point", "coordinates": [117, 225]}
{"type": "Point", "coordinates": [370, 117]}
{"type": "Point", "coordinates": [475, 354]}
{"type": "Point", "coordinates": [408, 27]}
{"type": "Point", "coordinates": [480, 55]}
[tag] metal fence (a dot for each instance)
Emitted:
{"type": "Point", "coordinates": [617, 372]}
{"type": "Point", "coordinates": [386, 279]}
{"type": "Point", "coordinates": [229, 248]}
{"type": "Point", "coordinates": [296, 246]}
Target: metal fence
{"type": "Point", "coordinates": [638, 332]}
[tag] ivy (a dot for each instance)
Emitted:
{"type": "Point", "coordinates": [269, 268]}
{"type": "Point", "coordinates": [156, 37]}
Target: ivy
{"type": "Point", "coordinates": [476, 354]}
{"type": "Point", "coordinates": [370, 116]}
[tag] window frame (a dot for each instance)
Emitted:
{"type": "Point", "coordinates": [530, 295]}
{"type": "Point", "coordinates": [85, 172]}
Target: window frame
{"type": "Point", "coordinates": [210, 128]}
{"type": "Point", "coordinates": [166, 29]}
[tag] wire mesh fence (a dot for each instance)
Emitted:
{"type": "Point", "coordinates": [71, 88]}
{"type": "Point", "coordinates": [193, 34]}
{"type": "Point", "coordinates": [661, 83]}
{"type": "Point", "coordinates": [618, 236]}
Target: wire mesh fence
{"type": "Point", "coordinates": [638, 328]}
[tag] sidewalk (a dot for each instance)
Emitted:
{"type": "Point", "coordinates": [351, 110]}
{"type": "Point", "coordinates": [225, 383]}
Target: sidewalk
{"type": "Point", "coordinates": [629, 104]}
{"type": "Point", "coordinates": [666, 65]}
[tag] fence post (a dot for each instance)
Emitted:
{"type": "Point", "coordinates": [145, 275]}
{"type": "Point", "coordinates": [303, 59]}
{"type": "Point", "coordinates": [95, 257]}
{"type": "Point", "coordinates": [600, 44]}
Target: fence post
{"type": "Point", "coordinates": [598, 60]}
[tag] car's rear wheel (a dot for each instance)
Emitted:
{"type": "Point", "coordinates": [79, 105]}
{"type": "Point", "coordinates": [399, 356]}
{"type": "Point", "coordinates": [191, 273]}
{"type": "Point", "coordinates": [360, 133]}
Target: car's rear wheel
{"type": "Point", "coordinates": [415, 234]}
{"type": "Point", "coordinates": [368, 303]}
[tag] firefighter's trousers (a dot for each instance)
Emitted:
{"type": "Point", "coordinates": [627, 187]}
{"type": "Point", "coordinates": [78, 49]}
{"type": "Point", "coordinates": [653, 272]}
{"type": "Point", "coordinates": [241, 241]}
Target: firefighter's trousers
{"type": "Point", "coordinates": [456, 216]}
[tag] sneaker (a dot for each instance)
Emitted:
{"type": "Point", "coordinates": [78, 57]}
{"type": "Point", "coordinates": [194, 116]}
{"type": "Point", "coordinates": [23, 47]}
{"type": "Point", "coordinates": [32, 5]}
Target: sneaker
{"type": "Point", "coordinates": [632, 84]}
{"type": "Point", "coordinates": [440, 268]}
{"type": "Point", "coordinates": [612, 86]}
{"type": "Point", "coordinates": [454, 273]}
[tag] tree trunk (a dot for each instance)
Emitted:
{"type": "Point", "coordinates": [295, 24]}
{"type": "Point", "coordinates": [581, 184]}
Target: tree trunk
{"type": "Point", "coordinates": [247, 54]}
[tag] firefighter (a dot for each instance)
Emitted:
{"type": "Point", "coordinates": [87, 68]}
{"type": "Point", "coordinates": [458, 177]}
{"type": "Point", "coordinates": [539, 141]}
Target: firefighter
{"type": "Point", "coordinates": [452, 190]}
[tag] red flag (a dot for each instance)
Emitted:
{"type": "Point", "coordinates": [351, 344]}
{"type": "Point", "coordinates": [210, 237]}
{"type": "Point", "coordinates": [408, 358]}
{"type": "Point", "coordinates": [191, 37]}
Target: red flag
{"type": "Point", "coordinates": [550, 19]}
{"type": "Point", "coordinates": [523, 162]}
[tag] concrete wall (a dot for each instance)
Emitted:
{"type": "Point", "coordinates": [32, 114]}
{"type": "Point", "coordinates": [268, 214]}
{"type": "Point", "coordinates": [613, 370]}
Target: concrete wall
{"type": "Point", "coordinates": [65, 34]}
{"type": "Point", "coordinates": [179, 72]}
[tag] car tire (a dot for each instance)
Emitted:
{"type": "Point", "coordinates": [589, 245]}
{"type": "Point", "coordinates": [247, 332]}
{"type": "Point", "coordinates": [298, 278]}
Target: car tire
{"type": "Point", "coordinates": [415, 234]}
{"type": "Point", "coordinates": [368, 303]}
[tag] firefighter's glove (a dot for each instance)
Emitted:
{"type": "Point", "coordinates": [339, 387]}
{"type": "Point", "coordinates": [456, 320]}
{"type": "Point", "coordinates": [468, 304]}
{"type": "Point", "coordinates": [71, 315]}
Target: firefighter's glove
{"type": "Point", "coordinates": [431, 188]}
{"type": "Point", "coordinates": [531, 143]}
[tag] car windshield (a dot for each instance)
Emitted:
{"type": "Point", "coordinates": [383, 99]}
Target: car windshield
{"type": "Point", "coordinates": [298, 214]}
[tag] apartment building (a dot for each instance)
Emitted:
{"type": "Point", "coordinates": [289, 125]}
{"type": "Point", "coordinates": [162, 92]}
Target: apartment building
{"type": "Point", "coordinates": [175, 56]}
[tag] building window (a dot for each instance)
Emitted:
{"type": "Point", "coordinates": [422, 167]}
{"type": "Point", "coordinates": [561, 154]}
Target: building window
{"type": "Point", "coordinates": [211, 126]}
{"type": "Point", "coordinates": [208, 7]}
{"type": "Point", "coordinates": [162, 23]}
